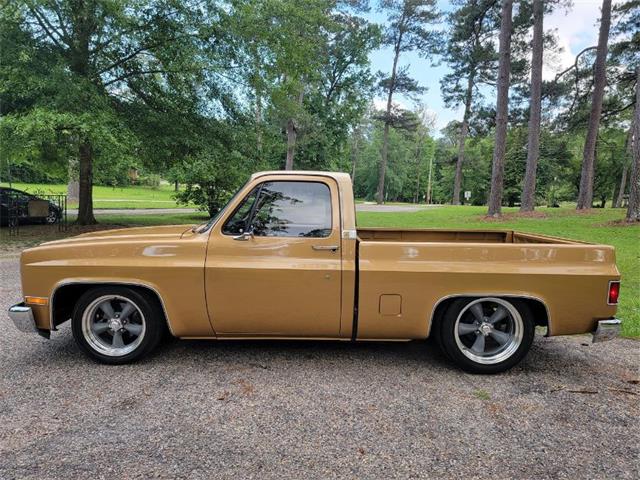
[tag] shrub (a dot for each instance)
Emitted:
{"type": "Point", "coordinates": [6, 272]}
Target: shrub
{"type": "Point", "coordinates": [210, 180]}
{"type": "Point", "coordinates": [152, 180]}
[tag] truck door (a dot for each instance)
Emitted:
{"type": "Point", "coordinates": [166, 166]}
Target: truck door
{"type": "Point", "coordinates": [273, 265]}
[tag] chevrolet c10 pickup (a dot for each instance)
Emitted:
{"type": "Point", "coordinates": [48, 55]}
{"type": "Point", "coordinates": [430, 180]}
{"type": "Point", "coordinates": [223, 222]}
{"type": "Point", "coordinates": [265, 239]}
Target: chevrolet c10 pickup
{"type": "Point", "coordinates": [285, 260]}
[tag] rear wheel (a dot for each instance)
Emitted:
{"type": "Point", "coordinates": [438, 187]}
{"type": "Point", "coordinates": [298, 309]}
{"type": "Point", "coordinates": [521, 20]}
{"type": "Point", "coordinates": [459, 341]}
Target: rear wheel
{"type": "Point", "coordinates": [117, 325]}
{"type": "Point", "coordinates": [486, 335]}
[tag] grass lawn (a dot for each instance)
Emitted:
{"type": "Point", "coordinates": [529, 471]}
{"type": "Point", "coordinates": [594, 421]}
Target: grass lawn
{"type": "Point", "coordinates": [597, 226]}
{"type": "Point", "coordinates": [112, 197]}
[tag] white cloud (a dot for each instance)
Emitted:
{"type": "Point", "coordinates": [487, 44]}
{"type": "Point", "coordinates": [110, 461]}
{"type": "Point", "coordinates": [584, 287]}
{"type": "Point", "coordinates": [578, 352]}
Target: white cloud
{"type": "Point", "coordinates": [576, 29]}
{"type": "Point", "coordinates": [381, 104]}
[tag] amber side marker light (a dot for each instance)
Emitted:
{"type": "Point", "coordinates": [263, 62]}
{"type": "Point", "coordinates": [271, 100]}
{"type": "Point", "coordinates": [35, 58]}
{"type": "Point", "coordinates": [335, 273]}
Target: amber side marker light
{"type": "Point", "coordinates": [614, 293]}
{"type": "Point", "coordinates": [36, 300]}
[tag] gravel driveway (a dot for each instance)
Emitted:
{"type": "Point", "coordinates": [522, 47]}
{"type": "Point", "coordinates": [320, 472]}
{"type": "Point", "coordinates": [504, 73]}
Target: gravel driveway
{"type": "Point", "coordinates": [313, 410]}
{"type": "Point", "coordinates": [393, 208]}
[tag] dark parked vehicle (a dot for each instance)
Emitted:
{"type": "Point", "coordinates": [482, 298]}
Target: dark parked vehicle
{"type": "Point", "coordinates": [22, 207]}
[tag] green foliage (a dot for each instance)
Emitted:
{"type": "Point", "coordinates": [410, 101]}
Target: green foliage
{"type": "Point", "coordinates": [411, 148]}
{"type": "Point", "coordinates": [211, 180]}
{"type": "Point", "coordinates": [152, 180]}
{"type": "Point", "coordinates": [469, 50]}
{"type": "Point", "coordinates": [558, 166]}
{"type": "Point", "coordinates": [189, 91]}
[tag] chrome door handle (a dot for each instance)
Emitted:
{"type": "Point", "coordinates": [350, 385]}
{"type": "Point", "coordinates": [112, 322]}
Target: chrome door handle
{"type": "Point", "coordinates": [243, 237]}
{"type": "Point", "coordinates": [333, 248]}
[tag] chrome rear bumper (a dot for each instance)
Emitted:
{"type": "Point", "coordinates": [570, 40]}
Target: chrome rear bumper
{"type": "Point", "coordinates": [607, 330]}
{"type": "Point", "coordinates": [22, 317]}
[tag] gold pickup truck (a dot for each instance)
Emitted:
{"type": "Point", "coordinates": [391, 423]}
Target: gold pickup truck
{"type": "Point", "coordinates": [284, 259]}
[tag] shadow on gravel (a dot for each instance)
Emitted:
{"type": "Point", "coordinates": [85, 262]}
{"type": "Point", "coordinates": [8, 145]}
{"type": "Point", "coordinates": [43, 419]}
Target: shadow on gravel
{"type": "Point", "coordinates": [61, 352]}
{"type": "Point", "coordinates": [300, 352]}
{"type": "Point", "coordinates": [62, 349]}
{"type": "Point", "coordinates": [551, 358]}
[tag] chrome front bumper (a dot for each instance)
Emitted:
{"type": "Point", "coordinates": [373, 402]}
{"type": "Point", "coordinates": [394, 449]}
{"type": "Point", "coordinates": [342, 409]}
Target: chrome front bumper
{"type": "Point", "coordinates": [607, 330]}
{"type": "Point", "coordinates": [22, 317]}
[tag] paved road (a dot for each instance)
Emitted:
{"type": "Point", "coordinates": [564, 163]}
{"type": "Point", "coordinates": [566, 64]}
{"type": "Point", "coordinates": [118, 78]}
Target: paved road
{"type": "Point", "coordinates": [311, 410]}
{"type": "Point", "coordinates": [372, 207]}
{"type": "Point", "coordinates": [361, 207]}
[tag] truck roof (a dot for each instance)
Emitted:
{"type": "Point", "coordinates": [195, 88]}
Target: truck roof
{"type": "Point", "coordinates": [338, 176]}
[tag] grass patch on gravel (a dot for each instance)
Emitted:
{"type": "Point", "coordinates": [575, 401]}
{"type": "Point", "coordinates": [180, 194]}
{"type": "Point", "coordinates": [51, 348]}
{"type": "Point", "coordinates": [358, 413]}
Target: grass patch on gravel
{"type": "Point", "coordinates": [482, 394]}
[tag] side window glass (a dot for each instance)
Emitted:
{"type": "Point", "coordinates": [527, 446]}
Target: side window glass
{"type": "Point", "coordinates": [238, 221]}
{"type": "Point", "coordinates": [293, 209]}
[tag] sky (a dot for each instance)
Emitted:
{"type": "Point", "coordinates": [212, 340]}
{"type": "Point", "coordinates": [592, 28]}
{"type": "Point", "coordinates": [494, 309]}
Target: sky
{"type": "Point", "coordinates": [575, 28]}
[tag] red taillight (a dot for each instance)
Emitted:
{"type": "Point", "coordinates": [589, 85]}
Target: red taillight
{"type": "Point", "coordinates": [614, 293]}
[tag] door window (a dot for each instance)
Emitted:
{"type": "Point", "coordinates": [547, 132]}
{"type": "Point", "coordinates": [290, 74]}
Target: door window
{"type": "Point", "coordinates": [237, 223]}
{"type": "Point", "coordinates": [293, 209]}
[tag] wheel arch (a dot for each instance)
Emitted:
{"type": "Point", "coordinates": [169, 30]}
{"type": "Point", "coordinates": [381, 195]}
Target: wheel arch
{"type": "Point", "coordinates": [65, 295]}
{"type": "Point", "coordinates": [538, 306]}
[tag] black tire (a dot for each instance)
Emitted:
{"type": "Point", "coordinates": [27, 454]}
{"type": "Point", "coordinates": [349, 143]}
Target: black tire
{"type": "Point", "coordinates": [148, 309]}
{"type": "Point", "coordinates": [512, 354]}
{"type": "Point", "coordinates": [52, 218]}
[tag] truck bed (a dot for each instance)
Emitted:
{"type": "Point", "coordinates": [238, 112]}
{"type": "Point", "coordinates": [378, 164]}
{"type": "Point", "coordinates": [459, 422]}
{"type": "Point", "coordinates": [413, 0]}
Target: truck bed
{"type": "Point", "coordinates": [457, 236]}
{"type": "Point", "coordinates": [405, 273]}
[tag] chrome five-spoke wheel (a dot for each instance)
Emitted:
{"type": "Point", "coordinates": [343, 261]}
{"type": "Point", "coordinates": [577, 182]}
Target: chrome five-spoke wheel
{"type": "Point", "coordinates": [113, 325]}
{"type": "Point", "coordinates": [117, 324]}
{"type": "Point", "coordinates": [488, 330]}
{"type": "Point", "coordinates": [487, 334]}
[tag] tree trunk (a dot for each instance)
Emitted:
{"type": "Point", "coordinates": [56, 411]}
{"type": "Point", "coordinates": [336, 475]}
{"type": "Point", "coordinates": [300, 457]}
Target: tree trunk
{"type": "Point", "coordinates": [535, 106]}
{"type": "Point", "coordinates": [83, 28]}
{"type": "Point", "coordinates": [73, 185]}
{"type": "Point", "coordinates": [382, 166]}
{"type": "Point", "coordinates": [623, 185]}
{"type": "Point", "coordinates": [85, 206]}
{"type": "Point", "coordinates": [291, 144]}
{"type": "Point", "coordinates": [354, 154]}
{"type": "Point", "coordinates": [628, 146]}
{"type": "Point", "coordinates": [464, 130]}
{"type": "Point", "coordinates": [292, 135]}
{"type": "Point", "coordinates": [428, 194]}
{"type": "Point", "coordinates": [633, 211]}
{"type": "Point", "coordinates": [176, 186]}
{"type": "Point", "coordinates": [416, 197]}
{"type": "Point", "coordinates": [258, 119]}
{"type": "Point", "coordinates": [502, 110]}
{"type": "Point", "coordinates": [585, 197]}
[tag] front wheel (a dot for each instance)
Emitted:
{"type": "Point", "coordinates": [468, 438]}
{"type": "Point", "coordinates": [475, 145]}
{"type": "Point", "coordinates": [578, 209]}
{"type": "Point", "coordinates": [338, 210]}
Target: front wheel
{"type": "Point", "coordinates": [486, 335]}
{"type": "Point", "coordinates": [117, 325]}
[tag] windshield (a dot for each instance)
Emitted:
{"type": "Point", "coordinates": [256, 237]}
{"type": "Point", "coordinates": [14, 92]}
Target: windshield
{"type": "Point", "coordinates": [206, 226]}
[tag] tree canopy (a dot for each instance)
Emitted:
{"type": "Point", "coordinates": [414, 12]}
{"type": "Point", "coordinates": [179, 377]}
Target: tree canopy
{"type": "Point", "coordinates": [204, 92]}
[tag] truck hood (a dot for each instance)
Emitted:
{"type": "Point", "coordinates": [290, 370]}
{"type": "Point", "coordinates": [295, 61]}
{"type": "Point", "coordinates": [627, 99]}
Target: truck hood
{"type": "Point", "coordinates": [164, 232]}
